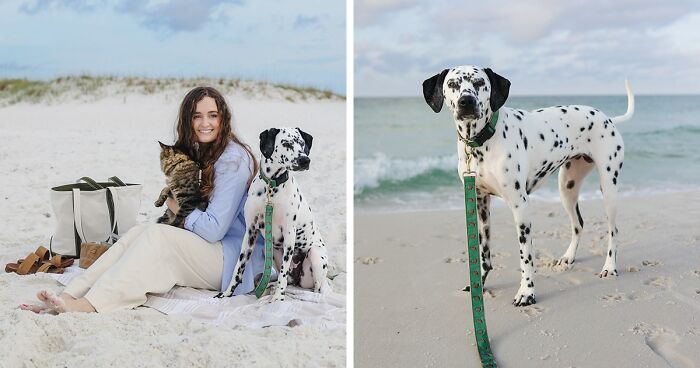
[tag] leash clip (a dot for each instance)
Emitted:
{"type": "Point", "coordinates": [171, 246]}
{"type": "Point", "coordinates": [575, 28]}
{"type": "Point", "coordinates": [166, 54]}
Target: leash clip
{"type": "Point", "coordinates": [468, 152]}
{"type": "Point", "coordinates": [269, 195]}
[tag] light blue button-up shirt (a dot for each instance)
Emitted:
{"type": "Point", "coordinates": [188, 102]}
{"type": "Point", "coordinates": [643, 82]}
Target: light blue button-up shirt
{"type": "Point", "coordinates": [224, 220]}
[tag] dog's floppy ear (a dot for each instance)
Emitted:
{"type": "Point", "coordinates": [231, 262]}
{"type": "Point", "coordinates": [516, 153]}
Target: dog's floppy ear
{"type": "Point", "coordinates": [308, 139]}
{"type": "Point", "coordinates": [499, 89]}
{"type": "Point", "coordinates": [267, 141]}
{"type": "Point", "coordinates": [432, 90]}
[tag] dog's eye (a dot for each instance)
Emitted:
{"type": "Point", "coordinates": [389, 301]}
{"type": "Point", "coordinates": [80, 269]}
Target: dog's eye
{"type": "Point", "coordinates": [479, 83]}
{"type": "Point", "coordinates": [452, 84]}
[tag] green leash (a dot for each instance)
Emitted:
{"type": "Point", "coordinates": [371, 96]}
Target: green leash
{"type": "Point", "coordinates": [477, 292]}
{"type": "Point", "coordinates": [262, 285]}
{"type": "Point", "coordinates": [271, 183]}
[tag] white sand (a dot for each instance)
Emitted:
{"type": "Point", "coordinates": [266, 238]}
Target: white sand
{"type": "Point", "coordinates": [410, 267]}
{"type": "Point", "coordinates": [43, 145]}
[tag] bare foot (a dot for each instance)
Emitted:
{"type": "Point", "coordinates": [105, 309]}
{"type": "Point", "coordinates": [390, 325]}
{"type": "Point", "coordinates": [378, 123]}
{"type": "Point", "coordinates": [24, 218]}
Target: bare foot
{"type": "Point", "coordinates": [52, 300]}
{"type": "Point", "coordinates": [64, 303]}
{"type": "Point", "coordinates": [39, 309]}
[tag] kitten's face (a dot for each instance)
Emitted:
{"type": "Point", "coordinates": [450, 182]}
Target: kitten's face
{"type": "Point", "coordinates": [170, 158]}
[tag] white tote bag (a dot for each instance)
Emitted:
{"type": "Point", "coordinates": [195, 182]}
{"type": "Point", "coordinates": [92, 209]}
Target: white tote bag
{"type": "Point", "coordinates": [88, 211]}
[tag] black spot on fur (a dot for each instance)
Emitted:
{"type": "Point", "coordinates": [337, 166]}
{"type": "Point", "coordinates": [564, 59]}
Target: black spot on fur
{"type": "Point", "coordinates": [580, 219]}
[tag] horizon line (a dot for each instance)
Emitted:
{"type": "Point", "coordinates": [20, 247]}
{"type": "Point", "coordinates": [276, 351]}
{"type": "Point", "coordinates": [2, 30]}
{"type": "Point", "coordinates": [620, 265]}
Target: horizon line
{"type": "Point", "coordinates": [553, 95]}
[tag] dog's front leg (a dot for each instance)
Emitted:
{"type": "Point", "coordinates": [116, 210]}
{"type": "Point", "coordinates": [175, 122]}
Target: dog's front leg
{"type": "Point", "coordinates": [483, 203]}
{"type": "Point", "coordinates": [286, 262]}
{"type": "Point", "coordinates": [247, 247]}
{"type": "Point", "coordinates": [526, 292]}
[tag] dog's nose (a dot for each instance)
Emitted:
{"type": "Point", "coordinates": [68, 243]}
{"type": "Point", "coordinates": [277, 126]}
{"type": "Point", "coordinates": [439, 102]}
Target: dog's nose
{"type": "Point", "coordinates": [466, 101]}
{"type": "Point", "coordinates": [304, 161]}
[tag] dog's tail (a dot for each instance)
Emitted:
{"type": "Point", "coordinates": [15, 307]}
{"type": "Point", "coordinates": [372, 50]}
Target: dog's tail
{"type": "Point", "coordinates": [630, 106]}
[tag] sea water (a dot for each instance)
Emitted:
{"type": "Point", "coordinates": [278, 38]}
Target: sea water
{"type": "Point", "coordinates": [406, 155]}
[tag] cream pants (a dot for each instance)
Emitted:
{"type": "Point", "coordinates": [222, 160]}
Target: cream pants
{"type": "Point", "coordinates": [150, 258]}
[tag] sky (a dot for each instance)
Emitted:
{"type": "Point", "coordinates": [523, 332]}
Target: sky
{"type": "Point", "coordinates": [544, 47]}
{"type": "Point", "coordinates": [299, 42]}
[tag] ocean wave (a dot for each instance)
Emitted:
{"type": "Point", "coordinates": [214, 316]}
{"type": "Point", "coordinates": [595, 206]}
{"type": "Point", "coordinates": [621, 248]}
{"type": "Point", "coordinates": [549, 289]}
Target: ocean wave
{"type": "Point", "coordinates": [372, 172]}
{"type": "Point", "coordinates": [676, 130]}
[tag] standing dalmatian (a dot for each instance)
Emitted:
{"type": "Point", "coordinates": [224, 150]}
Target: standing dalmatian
{"type": "Point", "coordinates": [514, 151]}
{"type": "Point", "coordinates": [300, 254]}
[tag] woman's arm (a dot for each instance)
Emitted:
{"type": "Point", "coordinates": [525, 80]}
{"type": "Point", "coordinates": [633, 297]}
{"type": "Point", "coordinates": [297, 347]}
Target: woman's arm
{"type": "Point", "coordinates": [230, 187]}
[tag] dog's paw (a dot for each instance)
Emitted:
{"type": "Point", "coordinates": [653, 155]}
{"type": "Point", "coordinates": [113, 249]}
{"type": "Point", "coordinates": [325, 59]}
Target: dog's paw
{"type": "Point", "coordinates": [277, 297]}
{"type": "Point", "coordinates": [564, 262]}
{"type": "Point", "coordinates": [524, 298]}
{"type": "Point", "coordinates": [226, 294]}
{"type": "Point", "coordinates": [607, 272]}
{"type": "Point", "coordinates": [609, 268]}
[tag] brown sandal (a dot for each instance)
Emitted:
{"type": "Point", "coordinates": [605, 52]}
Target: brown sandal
{"type": "Point", "coordinates": [58, 261]}
{"type": "Point", "coordinates": [48, 267]}
{"type": "Point", "coordinates": [42, 252]}
{"type": "Point", "coordinates": [28, 266]}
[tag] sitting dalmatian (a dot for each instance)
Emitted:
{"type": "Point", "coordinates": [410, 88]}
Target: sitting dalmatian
{"type": "Point", "coordinates": [513, 151]}
{"type": "Point", "coordinates": [300, 254]}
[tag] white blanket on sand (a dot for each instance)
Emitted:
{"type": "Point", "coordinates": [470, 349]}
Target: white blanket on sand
{"type": "Point", "coordinates": [301, 307]}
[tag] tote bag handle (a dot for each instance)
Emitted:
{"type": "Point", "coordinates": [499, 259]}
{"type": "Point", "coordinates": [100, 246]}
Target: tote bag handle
{"type": "Point", "coordinates": [117, 181]}
{"type": "Point", "coordinates": [90, 182]}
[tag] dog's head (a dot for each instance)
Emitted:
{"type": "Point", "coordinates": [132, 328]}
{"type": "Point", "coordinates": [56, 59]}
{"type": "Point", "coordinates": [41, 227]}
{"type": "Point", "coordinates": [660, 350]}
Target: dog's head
{"type": "Point", "coordinates": [471, 93]}
{"type": "Point", "coordinates": [286, 147]}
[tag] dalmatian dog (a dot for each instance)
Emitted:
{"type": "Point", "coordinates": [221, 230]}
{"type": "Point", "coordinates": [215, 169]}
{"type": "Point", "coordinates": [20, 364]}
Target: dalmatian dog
{"type": "Point", "coordinates": [514, 157]}
{"type": "Point", "coordinates": [300, 253]}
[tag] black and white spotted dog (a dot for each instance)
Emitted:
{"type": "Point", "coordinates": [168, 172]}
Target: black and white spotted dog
{"type": "Point", "coordinates": [522, 150]}
{"type": "Point", "coordinates": [299, 250]}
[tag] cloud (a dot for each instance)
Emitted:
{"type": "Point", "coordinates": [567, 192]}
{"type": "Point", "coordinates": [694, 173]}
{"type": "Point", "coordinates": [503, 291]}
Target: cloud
{"type": "Point", "coordinates": [175, 15]}
{"type": "Point", "coordinates": [172, 15]}
{"type": "Point", "coordinates": [529, 22]}
{"type": "Point", "coordinates": [35, 6]}
{"type": "Point", "coordinates": [371, 12]}
{"type": "Point", "coordinates": [306, 21]}
{"type": "Point", "coordinates": [544, 46]}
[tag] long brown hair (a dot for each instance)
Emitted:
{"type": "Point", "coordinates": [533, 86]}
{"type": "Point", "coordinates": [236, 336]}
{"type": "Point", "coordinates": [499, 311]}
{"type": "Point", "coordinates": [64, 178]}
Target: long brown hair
{"type": "Point", "coordinates": [207, 154]}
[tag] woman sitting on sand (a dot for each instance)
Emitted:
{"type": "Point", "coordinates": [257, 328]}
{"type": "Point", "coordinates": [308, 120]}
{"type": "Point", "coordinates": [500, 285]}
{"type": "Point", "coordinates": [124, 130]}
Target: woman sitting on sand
{"type": "Point", "coordinates": [152, 258]}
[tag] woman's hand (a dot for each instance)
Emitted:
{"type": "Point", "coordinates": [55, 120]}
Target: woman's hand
{"type": "Point", "coordinates": [172, 204]}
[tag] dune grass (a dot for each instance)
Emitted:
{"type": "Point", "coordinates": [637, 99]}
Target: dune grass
{"type": "Point", "coordinates": [87, 87]}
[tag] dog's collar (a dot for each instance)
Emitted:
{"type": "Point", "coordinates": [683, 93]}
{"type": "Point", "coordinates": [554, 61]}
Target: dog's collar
{"type": "Point", "coordinates": [277, 181]}
{"type": "Point", "coordinates": [483, 135]}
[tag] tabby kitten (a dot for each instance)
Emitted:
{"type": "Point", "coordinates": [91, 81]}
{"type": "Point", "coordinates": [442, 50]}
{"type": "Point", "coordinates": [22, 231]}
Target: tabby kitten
{"type": "Point", "coordinates": [182, 180]}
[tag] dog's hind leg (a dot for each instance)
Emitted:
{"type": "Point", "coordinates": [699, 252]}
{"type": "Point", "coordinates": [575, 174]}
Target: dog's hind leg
{"type": "Point", "coordinates": [315, 270]}
{"type": "Point", "coordinates": [571, 177]}
{"type": "Point", "coordinates": [608, 172]}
